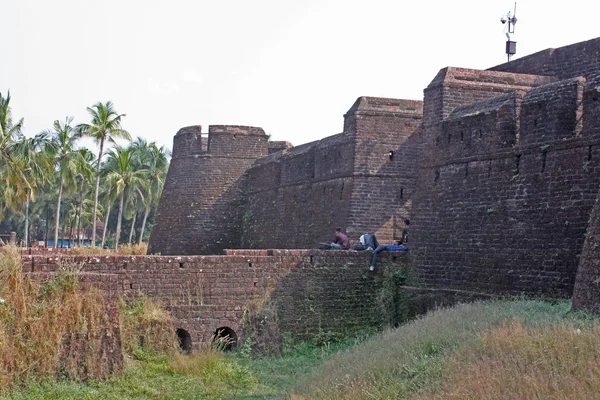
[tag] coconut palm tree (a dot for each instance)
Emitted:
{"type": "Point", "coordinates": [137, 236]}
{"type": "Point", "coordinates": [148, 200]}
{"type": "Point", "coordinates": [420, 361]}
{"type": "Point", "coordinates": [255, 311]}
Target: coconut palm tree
{"type": "Point", "coordinates": [32, 168]}
{"type": "Point", "coordinates": [155, 160]}
{"type": "Point", "coordinates": [119, 171]}
{"type": "Point", "coordinates": [12, 182]}
{"type": "Point", "coordinates": [107, 196]}
{"type": "Point", "coordinates": [105, 126]}
{"type": "Point", "coordinates": [61, 149]}
{"type": "Point", "coordinates": [85, 174]}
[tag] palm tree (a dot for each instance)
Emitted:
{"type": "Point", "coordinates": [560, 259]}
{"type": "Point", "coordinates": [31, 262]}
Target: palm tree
{"type": "Point", "coordinates": [119, 171]}
{"type": "Point", "coordinates": [85, 172]}
{"type": "Point", "coordinates": [105, 126]}
{"type": "Point", "coordinates": [155, 160]}
{"type": "Point", "coordinates": [12, 181]}
{"type": "Point", "coordinates": [108, 194]}
{"type": "Point", "coordinates": [62, 150]}
{"type": "Point", "coordinates": [32, 168]}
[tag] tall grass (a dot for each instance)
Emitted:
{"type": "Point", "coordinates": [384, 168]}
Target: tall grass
{"type": "Point", "coordinates": [146, 327]}
{"type": "Point", "coordinates": [53, 329]}
{"type": "Point", "coordinates": [524, 362]}
{"type": "Point", "coordinates": [123, 250]}
{"type": "Point", "coordinates": [412, 361]}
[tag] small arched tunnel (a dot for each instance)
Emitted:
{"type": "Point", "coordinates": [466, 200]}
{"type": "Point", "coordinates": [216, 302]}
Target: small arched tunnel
{"type": "Point", "coordinates": [224, 339]}
{"type": "Point", "coordinates": [185, 340]}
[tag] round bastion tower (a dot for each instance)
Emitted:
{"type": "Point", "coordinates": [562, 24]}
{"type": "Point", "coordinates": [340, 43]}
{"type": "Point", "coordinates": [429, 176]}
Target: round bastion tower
{"type": "Point", "coordinates": [200, 208]}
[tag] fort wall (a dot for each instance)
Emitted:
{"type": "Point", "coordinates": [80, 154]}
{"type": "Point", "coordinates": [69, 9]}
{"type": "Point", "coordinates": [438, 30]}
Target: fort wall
{"type": "Point", "coordinates": [297, 197]}
{"type": "Point", "coordinates": [311, 291]}
{"type": "Point", "coordinates": [498, 171]}
{"type": "Point", "coordinates": [579, 59]}
{"type": "Point", "coordinates": [506, 188]}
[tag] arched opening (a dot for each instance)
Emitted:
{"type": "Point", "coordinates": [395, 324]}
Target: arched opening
{"type": "Point", "coordinates": [185, 340]}
{"type": "Point", "coordinates": [224, 339]}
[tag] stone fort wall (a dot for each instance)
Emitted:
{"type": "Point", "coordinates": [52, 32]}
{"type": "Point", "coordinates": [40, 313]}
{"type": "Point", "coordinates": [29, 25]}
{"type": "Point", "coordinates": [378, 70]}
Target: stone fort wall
{"type": "Point", "coordinates": [506, 183]}
{"type": "Point", "coordinates": [312, 292]}
{"type": "Point", "coordinates": [498, 170]}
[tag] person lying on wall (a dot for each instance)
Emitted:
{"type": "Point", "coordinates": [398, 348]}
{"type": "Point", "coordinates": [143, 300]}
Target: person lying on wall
{"type": "Point", "coordinates": [397, 246]}
{"type": "Point", "coordinates": [366, 242]}
{"type": "Point", "coordinates": [340, 242]}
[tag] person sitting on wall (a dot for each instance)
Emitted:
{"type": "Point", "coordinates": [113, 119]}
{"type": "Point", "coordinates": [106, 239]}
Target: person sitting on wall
{"type": "Point", "coordinates": [397, 246]}
{"type": "Point", "coordinates": [340, 240]}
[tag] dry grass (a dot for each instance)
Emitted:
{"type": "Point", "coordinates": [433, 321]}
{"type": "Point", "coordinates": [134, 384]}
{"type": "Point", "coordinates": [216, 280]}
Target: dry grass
{"type": "Point", "coordinates": [413, 360]}
{"type": "Point", "coordinates": [520, 362]}
{"type": "Point", "coordinates": [197, 363]}
{"type": "Point", "coordinates": [123, 250]}
{"type": "Point", "coordinates": [146, 326]}
{"type": "Point", "coordinates": [261, 327]}
{"type": "Point", "coordinates": [50, 330]}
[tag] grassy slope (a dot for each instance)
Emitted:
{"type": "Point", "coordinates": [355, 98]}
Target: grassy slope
{"type": "Point", "coordinates": [472, 351]}
{"type": "Point", "coordinates": [428, 357]}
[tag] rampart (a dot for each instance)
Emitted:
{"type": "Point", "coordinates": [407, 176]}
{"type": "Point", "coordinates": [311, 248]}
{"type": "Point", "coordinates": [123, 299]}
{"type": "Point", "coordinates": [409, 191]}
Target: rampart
{"type": "Point", "coordinates": [506, 185]}
{"type": "Point", "coordinates": [498, 170]}
{"type": "Point", "coordinates": [311, 292]}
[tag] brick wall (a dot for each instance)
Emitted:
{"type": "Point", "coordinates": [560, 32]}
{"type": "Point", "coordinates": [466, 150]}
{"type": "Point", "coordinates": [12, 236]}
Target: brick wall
{"type": "Point", "coordinates": [299, 196]}
{"type": "Point", "coordinates": [498, 169]}
{"type": "Point", "coordinates": [296, 198]}
{"type": "Point", "coordinates": [507, 184]}
{"type": "Point", "coordinates": [314, 291]}
{"type": "Point", "coordinates": [579, 59]}
{"type": "Point", "coordinates": [586, 295]}
{"type": "Point", "coordinates": [385, 165]}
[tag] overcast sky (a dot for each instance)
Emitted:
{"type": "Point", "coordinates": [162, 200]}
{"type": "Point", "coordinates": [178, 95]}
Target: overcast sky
{"type": "Point", "coordinates": [291, 67]}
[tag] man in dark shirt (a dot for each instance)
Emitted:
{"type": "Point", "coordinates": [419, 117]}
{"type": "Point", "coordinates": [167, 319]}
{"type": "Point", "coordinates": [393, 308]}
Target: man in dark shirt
{"type": "Point", "coordinates": [340, 240]}
{"type": "Point", "coordinates": [404, 239]}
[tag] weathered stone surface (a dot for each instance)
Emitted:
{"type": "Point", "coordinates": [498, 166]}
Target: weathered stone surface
{"type": "Point", "coordinates": [498, 171]}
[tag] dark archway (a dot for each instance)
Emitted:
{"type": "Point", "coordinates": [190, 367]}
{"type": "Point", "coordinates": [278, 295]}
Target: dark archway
{"type": "Point", "coordinates": [185, 340]}
{"type": "Point", "coordinates": [224, 339]}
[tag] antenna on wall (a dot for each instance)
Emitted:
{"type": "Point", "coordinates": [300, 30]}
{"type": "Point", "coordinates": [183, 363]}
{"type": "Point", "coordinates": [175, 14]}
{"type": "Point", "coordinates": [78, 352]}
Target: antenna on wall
{"type": "Point", "coordinates": [511, 46]}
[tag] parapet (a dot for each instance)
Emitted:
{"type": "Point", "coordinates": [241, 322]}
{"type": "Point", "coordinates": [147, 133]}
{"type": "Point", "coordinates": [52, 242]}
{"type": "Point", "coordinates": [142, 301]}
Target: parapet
{"type": "Point", "coordinates": [483, 127]}
{"type": "Point", "coordinates": [373, 109]}
{"type": "Point", "coordinates": [187, 141]}
{"type": "Point", "coordinates": [228, 140]}
{"type": "Point", "coordinates": [579, 59]}
{"type": "Point", "coordinates": [552, 112]}
{"type": "Point", "coordinates": [277, 146]}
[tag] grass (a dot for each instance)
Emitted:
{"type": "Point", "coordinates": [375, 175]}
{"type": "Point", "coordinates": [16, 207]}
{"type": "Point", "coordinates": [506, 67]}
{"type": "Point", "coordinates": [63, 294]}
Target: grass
{"type": "Point", "coordinates": [428, 357]}
{"type": "Point", "coordinates": [524, 362]}
{"type": "Point", "coordinates": [146, 326]}
{"type": "Point", "coordinates": [155, 377]}
{"type": "Point", "coordinates": [206, 374]}
{"type": "Point", "coordinates": [123, 250]}
{"type": "Point", "coordinates": [508, 349]}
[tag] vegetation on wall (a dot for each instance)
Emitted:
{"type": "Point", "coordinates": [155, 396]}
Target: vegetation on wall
{"type": "Point", "coordinates": [53, 329]}
{"type": "Point", "coordinates": [146, 327]}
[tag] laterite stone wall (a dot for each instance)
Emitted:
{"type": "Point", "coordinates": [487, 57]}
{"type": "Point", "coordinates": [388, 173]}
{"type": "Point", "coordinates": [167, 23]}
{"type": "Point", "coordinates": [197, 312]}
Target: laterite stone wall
{"type": "Point", "coordinates": [313, 291]}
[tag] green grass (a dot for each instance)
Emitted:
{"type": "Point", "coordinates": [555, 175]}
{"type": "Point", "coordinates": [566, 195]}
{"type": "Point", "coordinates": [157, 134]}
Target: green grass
{"type": "Point", "coordinates": [423, 359]}
{"type": "Point", "coordinates": [207, 375]}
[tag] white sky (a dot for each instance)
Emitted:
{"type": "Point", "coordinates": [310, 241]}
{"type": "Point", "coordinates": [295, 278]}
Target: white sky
{"type": "Point", "coordinates": [291, 67]}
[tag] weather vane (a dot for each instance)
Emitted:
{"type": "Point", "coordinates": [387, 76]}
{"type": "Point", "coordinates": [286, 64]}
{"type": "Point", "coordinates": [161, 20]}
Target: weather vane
{"type": "Point", "coordinates": [511, 46]}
